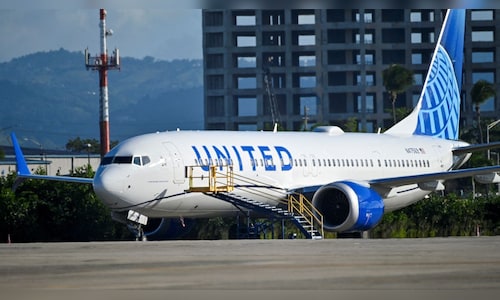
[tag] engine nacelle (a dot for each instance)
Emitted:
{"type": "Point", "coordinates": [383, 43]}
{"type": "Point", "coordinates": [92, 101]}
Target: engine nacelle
{"type": "Point", "coordinates": [348, 206]}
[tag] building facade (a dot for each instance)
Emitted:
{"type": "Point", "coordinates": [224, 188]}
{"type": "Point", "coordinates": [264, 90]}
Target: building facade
{"type": "Point", "coordinates": [300, 67]}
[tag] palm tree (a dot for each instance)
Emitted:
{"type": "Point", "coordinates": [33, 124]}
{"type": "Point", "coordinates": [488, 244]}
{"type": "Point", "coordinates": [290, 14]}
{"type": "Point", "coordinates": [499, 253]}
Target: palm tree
{"type": "Point", "coordinates": [481, 91]}
{"type": "Point", "coordinates": [396, 80]}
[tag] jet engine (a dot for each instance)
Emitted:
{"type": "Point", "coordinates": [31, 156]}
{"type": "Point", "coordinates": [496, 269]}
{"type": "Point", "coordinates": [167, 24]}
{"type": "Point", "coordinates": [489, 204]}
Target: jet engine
{"type": "Point", "coordinates": [348, 206]}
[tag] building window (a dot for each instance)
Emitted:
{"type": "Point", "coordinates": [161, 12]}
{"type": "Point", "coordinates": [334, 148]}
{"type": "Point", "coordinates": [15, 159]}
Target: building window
{"type": "Point", "coordinates": [483, 56]}
{"type": "Point", "coordinates": [305, 80]}
{"type": "Point", "coordinates": [242, 20]}
{"type": "Point", "coordinates": [393, 15]}
{"type": "Point", "coordinates": [273, 38]}
{"type": "Point", "coordinates": [308, 105]}
{"type": "Point", "coordinates": [215, 82]}
{"type": "Point", "coordinates": [335, 15]}
{"type": "Point", "coordinates": [215, 61]}
{"type": "Point", "coordinates": [247, 106]}
{"type": "Point", "coordinates": [481, 15]}
{"type": "Point", "coordinates": [243, 61]}
{"type": "Point", "coordinates": [369, 37]}
{"type": "Point", "coordinates": [416, 58]}
{"type": "Point", "coordinates": [337, 102]}
{"type": "Point", "coordinates": [215, 107]}
{"type": "Point", "coordinates": [306, 40]}
{"type": "Point", "coordinates": [214, 40]}
{"type": "Point", "coordinates": [416, 37]}
{"type": "Point", "coordinates": [489, 105]}
{"type": "Point", "coordinates": [482, 35]}
{"type": "Point", "coordinates": [369, 79]}
{"type": "Point", "coordinates": [390, 57]}
{"type": "Point", "coordinates": [369, 58]}
{"type": "Point", "coordinates": [246, 40]}
{"type": "Point", "coordinates": [368, 17]}
{"type": "Point", "coordinates": [415, 16]}
{"type": "Point", "coordinates": [414, 99]}
{"type": "Point", "coordinates": [245, 82]}
{"type": "Point", "coordinates": [337, 78]}
{"type": "Point", "coordinates": [369, 102]}
{"type": "Point", "coordinates": [418, 78]}
{"type": "Point", "coordinates": [213, 19]}
{"type": "Point", "coordinates": [273, 17]}
{"type": "Point", "coordinates": [336, 36]}
{"type": "Point", "coordinates": [393, 35]}
{"type": "Point", "coordinates": [488, 76]}
{"type": "Point", "coordinates": [337, 57]}
{"type": "Point", "coordinates": [306, 19]}
{"type": "Point", "coordinates": [274, 59]}
{"type": "Point", "coordinates": [307, 60]}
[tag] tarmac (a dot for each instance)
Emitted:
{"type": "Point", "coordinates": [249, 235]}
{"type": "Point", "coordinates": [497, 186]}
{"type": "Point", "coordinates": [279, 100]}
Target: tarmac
{"type": "Point", "coordinates": [466, 266]}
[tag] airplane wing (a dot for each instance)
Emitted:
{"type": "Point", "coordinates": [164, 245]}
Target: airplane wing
{"type": "Point", "coordinates": [422, 178]}
{"type": "Point", "coordinates": [477, 147]}
{"type": "Point", "coordinates": [23, 172]}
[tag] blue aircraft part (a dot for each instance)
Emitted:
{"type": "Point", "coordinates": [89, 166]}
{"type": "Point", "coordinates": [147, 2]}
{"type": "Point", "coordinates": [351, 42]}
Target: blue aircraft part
{"type": "Point", "coordinates": [370, 205]}
{"type": "Point", "coordinates": [348, 206]}
{"type": "Point", "coordinates": [21, 165]}
{"type": "Point", "coordinates": [439, 114]}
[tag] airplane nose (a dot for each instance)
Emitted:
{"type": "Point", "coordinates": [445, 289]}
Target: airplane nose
{"type": "Point", "coordinates": [108, 185]}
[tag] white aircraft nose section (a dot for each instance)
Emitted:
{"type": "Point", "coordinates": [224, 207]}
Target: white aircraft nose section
{"type": "Point", "coordinates": [109, 184]}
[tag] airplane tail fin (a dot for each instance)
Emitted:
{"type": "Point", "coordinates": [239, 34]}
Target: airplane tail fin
{"type": "Point", "coordinates": [21, 165]}
{"type": "Point", "coordinates": [437, 112]}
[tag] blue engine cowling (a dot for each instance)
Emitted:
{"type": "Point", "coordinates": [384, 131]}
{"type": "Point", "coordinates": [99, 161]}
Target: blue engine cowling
{"type": "Point", "coordinates": [348, 206]}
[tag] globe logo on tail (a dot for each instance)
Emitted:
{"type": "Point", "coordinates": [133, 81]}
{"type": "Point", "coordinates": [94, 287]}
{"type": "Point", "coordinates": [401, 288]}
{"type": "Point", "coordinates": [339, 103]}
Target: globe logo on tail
{"type": "Point", "coordinates": [440, 111]}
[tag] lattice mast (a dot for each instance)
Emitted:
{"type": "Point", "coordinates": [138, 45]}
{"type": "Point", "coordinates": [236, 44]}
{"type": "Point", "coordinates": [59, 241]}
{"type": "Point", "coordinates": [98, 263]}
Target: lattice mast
{"type": "Point", "coordinates": [102, 63]}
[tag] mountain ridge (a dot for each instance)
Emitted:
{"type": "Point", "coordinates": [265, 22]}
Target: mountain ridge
{"type": "Point", "coordinates": [50, 97]}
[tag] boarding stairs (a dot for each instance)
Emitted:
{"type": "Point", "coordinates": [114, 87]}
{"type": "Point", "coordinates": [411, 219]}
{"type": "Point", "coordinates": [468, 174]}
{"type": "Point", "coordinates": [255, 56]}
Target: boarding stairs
{"type": "Point", "coordinates": [293, 207]}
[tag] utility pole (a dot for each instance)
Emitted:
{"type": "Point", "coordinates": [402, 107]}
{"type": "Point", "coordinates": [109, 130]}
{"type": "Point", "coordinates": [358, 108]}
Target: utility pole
{"type": "Point", "coordinates": [306, 117]}
{"type": "Point", "coordinates": [103, 63]}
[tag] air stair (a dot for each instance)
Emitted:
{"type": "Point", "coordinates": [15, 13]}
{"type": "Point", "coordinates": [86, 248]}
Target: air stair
{"type": "Point", "coordinates": [220, 183]}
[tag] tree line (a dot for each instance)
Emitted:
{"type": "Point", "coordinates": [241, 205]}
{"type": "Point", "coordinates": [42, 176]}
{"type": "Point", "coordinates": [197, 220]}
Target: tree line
{"type": "Point", "coordinates": [59, 211]}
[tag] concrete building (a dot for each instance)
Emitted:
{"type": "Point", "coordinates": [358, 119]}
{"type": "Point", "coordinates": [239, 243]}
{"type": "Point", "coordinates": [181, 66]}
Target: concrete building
{"type": "Point", "coordinates": [326, 65]}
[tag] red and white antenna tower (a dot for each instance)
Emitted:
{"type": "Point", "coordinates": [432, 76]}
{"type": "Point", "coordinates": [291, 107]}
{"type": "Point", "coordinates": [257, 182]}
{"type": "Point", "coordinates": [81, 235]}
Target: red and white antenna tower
{"type": "Point", "coordinates": [103, 63]}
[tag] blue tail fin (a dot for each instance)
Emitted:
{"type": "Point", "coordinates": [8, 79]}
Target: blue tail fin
{"type": "Point", "coordinates": [438, 110]}
{"type": "Point", "coordinates": [21, 165]}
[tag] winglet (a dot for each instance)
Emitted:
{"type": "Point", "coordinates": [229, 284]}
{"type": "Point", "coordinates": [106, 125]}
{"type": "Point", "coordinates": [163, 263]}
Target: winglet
{"type": "Point", "coordinates": [21, 165]}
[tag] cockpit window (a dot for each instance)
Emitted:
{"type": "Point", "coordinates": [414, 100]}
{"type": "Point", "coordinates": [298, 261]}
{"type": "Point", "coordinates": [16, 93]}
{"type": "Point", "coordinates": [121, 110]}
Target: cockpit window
{"type": "Point", "coordinates": [136, 160]}
{"type": "Point", "coordinates": [141, 160]}
{"type": "Point", "coordinates": [122, 160]}
{"type": "Point", "coordinates": [106, 160]}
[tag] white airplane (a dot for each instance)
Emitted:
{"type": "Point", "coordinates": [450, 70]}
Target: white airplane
{"type": "Point", "coordinates": [354, 177]}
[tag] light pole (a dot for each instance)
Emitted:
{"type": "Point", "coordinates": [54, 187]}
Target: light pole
{"type": "Point", "coordinates": [88, 155]}
{"type": "Point", "coordinates": [491, 125]}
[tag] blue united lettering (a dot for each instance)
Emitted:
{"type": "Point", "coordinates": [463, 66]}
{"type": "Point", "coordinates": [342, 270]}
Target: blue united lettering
{"type": "Point", "coordinates": [273, 158]}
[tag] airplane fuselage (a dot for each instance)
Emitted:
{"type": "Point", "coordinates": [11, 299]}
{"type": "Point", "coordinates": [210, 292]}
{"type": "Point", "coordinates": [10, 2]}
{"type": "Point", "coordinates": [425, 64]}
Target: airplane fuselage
{"type": "Point", "coordinates": [147, 173]}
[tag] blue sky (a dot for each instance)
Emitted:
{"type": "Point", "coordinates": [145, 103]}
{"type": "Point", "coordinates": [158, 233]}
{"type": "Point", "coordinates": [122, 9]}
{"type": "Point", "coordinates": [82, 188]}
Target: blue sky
{"type": "Point", "coordinates": [163, 33]}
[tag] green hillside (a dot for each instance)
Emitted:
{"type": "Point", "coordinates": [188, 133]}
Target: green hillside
{"type": "Point", "coordinates": [50, 97]}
